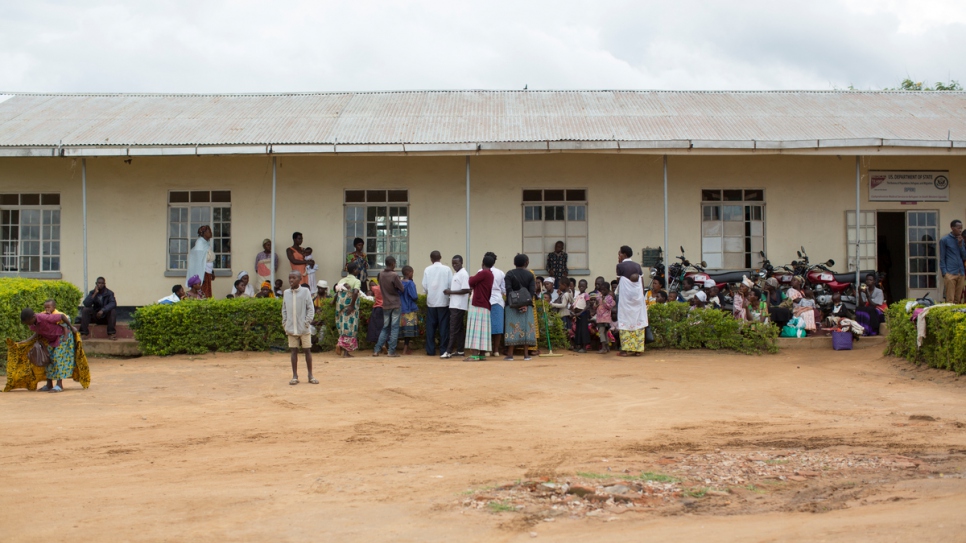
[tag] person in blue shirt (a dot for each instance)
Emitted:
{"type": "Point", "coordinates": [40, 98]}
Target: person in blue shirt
{"type": "Point", "coordinates": [952, 255]}
{"type": "Point", "coordinates": [409, 321]}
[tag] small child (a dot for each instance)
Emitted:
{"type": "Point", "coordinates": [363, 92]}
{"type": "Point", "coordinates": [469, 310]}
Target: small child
{"type": "Point", "coordinates": [661, 297]}
{"type": "Point", "coordinates": [50, 307]}
{"type": "Point", "coordinates": [582, 317]}
{"type": "Point", "coordinates": [311, 267]}
{"type": "Point", "coordinates": [278, 288]}
{"type": "Point", "coordinates": [409, 319]}
{"type": "Point", "coordinates": [562, 305]}
{"type": "Point", "coordinates": [604, 306]}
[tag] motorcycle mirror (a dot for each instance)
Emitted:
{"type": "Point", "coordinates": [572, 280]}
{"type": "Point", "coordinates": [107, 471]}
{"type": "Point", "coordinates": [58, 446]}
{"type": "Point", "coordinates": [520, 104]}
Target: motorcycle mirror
{"type": "Point", "coordinates": [799, 254]}
{"type": "Point", "coordinates": [682, 249]}
{"type": "Point", "coordinates": [762, 253]}
{"type": "Point", "coordinates": [830, 263]}
{"type": "Point", "coordinates": [803, 248]}
{"type": "Point", "coordinates": [704, 264]}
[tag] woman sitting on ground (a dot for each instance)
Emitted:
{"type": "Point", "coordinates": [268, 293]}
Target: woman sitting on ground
{"type": "Point", "coordinates": [194, 289]}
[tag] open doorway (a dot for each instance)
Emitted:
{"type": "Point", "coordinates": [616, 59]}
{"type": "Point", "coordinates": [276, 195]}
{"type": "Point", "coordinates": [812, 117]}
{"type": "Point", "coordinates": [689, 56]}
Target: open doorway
{"type": "Point", "coordinates": [891, 251]}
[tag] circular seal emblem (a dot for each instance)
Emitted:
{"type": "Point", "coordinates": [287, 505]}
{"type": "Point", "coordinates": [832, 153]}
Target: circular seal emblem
{"type": "Point", "coordinates": [941, 182]}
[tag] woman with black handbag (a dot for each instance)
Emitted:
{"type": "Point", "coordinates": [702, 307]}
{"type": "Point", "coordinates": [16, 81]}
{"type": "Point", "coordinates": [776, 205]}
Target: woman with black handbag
{"type": "Point", "coordinates": [519, 329]}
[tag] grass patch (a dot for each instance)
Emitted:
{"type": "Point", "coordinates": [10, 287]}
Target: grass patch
{"type": "Point", "coordinates": [657, 477]}
{"type": "Point", "coordinates": [591, 475]}
{"type": "Point", "coordinates": [696, 492]}
{"type": "Point", "coordinates": [754, 489]}
{"type": "Point", "coordinates": [500, 507]}
{"type": "Point", "coordinates": [774, 461]}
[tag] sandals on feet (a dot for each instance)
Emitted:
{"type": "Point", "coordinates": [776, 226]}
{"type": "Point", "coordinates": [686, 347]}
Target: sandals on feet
{"type": "Point", "coordinates": [314, 381]}
{"type": "Point", "coordinates": [293, 382]}
{"type": "Point", "coordinates": [56, 389]}
{"type": "Point", "coordinates": [45, 388]}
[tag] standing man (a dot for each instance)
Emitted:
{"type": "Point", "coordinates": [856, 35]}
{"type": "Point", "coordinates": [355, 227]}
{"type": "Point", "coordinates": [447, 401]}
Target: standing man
{"type": "Point", "coordinates": [436, 279]}
{"type": "Point", "coordinates": [496, 303]}
{"type": "Point", "coordinates": [952, 254]}
{"type": "Point", "coordinates": [297, 315]}
{"type": "Point", "coordinates": [101, 307]}
{"type": "Point", "coordinates": [201, 260]}
{"type": "Point", "coordinates": [391, 286]}
{"type": "Point", "coordinates": [459, 301]}
{"type": "Point", "coordinates": [557, 263]}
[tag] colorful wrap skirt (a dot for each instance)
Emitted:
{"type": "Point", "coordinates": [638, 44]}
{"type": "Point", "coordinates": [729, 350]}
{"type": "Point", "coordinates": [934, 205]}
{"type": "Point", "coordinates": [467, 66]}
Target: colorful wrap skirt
{"type": "Point", "coordinates": [478, 335]}
{"type": "Point", "coordinates": [347, 324]}
{"type": "Point", "coordinates": [520, 327]}
{"type": "Point", "coordinates": [409, 325]}
{"type": "Point", "coordinates": [69, 354]}
{"type": "Point", "coordinates": [633, 340]}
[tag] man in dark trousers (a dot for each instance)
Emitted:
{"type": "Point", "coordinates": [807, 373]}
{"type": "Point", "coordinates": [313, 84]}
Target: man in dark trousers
{"type": "Point", "coordinates": [101, 308]}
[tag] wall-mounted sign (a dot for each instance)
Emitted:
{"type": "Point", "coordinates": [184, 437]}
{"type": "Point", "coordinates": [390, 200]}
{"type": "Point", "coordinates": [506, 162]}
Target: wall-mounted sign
{"type": "Point", "coordinates": [908, 186]}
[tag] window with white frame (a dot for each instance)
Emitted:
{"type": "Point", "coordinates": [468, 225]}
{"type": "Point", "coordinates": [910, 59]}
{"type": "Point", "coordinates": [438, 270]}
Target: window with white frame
{"type": "Point", "coordinates": [30, 232]}
{"type": "Point", "coordinates": [732, 227]}
{"type": "Point", "coordinates": [381, 219]}
{"type": "Point", "coordinates": [188, 211]}
{"type": "Point", "coordinates": [552, 215]}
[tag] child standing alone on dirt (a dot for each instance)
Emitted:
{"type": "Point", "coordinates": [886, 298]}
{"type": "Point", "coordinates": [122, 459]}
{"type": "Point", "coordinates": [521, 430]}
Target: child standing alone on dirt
{"type": "Point", "coordinates": [297, 314]}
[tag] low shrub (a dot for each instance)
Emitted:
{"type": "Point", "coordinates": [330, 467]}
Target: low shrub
{"type": "Point", "coordinates": [16, 294]}
{"type": "Point", "coordinates": [675, 327]}
{"type": "Point", "coordinates": [944, 346]}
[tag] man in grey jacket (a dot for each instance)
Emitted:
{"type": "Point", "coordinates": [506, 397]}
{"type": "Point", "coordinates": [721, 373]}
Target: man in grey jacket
{"type": "Point", "coordinates": [297, 314]}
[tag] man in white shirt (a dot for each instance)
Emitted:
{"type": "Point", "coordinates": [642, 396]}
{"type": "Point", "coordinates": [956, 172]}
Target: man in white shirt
{"type": "Point", "coordinates": [459, 301]}
{"type": "Point", "coordinates": [496, 304]}
{"type": "Point", "coordinates": [436, 279]}
{"type": "Point", "coordinates": [297, 315]}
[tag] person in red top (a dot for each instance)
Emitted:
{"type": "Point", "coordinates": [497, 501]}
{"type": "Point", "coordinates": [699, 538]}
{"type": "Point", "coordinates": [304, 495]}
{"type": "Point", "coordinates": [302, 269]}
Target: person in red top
{"type": "Point", "coordinates": [478, 336]}
{"type": "Point", "coordinates": [57, 333]}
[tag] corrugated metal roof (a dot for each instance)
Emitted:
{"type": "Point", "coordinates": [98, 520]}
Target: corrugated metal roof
{"type": "Point", "coordinates": [475, 117]}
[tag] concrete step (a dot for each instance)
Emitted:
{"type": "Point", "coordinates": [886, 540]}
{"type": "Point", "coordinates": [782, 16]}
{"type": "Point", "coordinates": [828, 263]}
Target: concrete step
{"type": "Point", "coordinates": [99, 331]}
{"type": "Point", "coordinates": [107, 347]}
{"type": "Point", "coordinates": [825, 342]}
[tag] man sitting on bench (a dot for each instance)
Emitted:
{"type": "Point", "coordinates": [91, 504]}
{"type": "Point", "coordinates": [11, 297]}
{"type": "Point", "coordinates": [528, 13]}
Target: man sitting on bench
{"type": "Point", "coordinates": [101, 308]}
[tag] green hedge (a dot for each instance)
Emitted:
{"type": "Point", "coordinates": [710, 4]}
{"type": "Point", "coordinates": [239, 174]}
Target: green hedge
{"type": "Point", "coordinates": [195, 327]}
{"type": "Point", "coordinates": [944, 346]}
{"type": "Point", "coordinates": [16, 294]}
{"type": "Point", "coordinates": [675, 327]}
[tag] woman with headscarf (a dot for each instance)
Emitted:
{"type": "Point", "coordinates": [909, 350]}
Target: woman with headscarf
{"type": "Point", "coordinates": [245, 289]}
{"type": "Point", "coordinates": [346, 303]}
{"type": "Point", "coordinates": [772, 296]}
{"type": "Point", "coordinates": [57, 335]}
{"type": "Point", "coordinates": [194, 291]}
{"type": "Point", "coordinates": [264, 262]}
{"type": "Point", "coordinates": [266, 291]}
{"type": "Point", "coordinates": [631, 307]}
{"type": "Point", "coordinates": [201, 260]}
{"type": "Point", "coordinates": [359, 258]}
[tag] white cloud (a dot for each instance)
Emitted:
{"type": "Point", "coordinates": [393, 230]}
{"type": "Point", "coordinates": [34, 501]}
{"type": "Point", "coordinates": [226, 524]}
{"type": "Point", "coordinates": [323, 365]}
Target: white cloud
{"type": "Point", "coordinates": [247, 46]}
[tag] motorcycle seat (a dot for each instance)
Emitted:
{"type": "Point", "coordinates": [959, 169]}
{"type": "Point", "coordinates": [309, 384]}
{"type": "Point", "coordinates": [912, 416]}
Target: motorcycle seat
{"type": "Point", "coordinates": [850, 277]}
{"type": "Point", "coordinates": [730, 276]}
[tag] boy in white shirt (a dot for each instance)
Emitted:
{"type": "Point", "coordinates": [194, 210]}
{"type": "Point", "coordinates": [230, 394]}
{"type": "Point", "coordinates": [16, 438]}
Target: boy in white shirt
{"type": "Point", "coordinates": [459, 301]}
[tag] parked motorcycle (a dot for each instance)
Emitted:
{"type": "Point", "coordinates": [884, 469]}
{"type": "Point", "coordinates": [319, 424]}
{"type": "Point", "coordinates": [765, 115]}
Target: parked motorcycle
{"type": "Point", "coordinates": [824, 282]}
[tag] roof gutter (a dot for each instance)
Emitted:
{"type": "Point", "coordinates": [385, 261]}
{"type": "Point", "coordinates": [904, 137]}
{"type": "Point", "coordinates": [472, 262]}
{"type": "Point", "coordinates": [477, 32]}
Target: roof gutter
{"type": "Point", "coordinates": [873, 146]}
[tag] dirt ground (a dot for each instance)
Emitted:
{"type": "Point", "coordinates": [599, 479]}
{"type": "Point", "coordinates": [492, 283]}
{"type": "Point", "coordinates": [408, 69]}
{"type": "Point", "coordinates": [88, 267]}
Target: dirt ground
{"type": "Point", "coordinates": [674, 446]}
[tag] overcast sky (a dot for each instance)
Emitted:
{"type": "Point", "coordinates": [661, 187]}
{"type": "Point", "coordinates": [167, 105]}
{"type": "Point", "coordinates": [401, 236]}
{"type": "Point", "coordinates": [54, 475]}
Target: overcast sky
{"type": "Point", "coordinates": [247, 46]}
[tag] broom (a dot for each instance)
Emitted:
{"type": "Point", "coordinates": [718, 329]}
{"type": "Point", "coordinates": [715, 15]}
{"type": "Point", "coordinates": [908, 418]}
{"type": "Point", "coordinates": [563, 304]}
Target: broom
{"type": "Point", "coordinates": [546, 321]}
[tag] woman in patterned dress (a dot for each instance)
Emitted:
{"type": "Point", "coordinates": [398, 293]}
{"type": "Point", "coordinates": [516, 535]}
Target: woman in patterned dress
{"type": "Point", "coordinates": [361, 261]}
{"type": "Point", "coordinates": [59, 336]}
{"type": "Point", "coordinates": [347, 312]}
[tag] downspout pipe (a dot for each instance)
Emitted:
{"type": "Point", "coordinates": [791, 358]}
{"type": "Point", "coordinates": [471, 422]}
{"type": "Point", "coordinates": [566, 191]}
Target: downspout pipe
{"type": "Point", "coordinates": [84, 216]}
{"type": "Point", "coordinates": [666, 248]}
{"type": "Point", "coordinates": [858, 267]}
{"type": "Point", "coordinates": [467, 259]}
{"type": "Point", "coordinates": [274, 249]}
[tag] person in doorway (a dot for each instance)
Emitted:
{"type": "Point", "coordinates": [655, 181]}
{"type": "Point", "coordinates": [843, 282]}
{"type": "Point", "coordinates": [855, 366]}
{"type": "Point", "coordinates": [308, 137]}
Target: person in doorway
{"type": "Point", "coordinates": [520, 330]}
{"type": "Point", "coordinates": [631, 309]}
{"type": "Point", "coordinates": [391, 287]}
{"type": "Point", "coordinates": [409, 320]}
{"type": "Point", "coordinates": [871, 309]}
{"type": "Point", "coordinates": [194, 289]}
{"type": "Point", "coordinates": [177, 293]}
{"type": "Point", "coordinates": [297, 315]}
{"type": "Point", "coordinates": [201, 260]}
{"type": "Point", "coordinates": [557, 263]}
{"type": "Point", "coordinates": [497, 305]}
{"type": "Point", "coordinates": [436, 279]}
{"type": "Point", "coordinates": [362, 261]}
{"type": "Point", "coordinates": [265, 262]}
{"type": "Point", "coordinates": [479, 339]}
{"type": "Point", "coordinates": [99, 306]}
{"type": "Point", "coordinates": [459, 300]}
{"type": "Point", "coordinates": [296, 256]}
{"type": "Point", "coordinates": [952, 255]}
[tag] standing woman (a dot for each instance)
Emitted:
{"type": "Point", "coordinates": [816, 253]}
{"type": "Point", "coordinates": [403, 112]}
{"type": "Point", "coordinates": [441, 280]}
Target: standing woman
{"type": "Point", "coordinates": [56, 333]}
{"type": "Point", "coordinates": [631, 307]}
{"type": "Point", "coordinates": [296, 256]}
{"type": "Point", "coordinates": [360, 259]}
{"type": "Point", "coordinates": [201, 260]}
{"type": "Point", "coordinates": [264, 262]}
{"type": "Point", "coordinates": [347, 311]}
{"type": "Point", "coordinates": [519, 330]}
